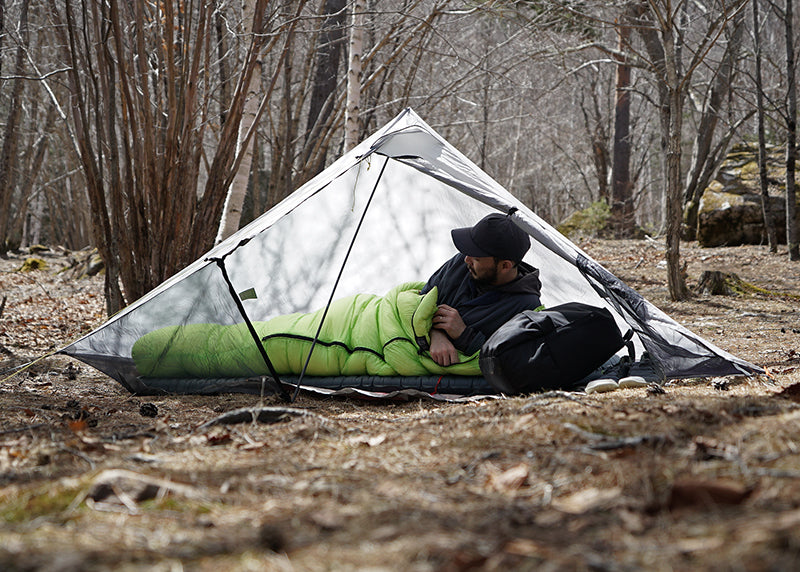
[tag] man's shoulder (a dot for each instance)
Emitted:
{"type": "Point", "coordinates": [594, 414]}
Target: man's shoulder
{"type": "Point", "coordinates": [451, 272]}
{"type": "Point", "coordinates": [527, 282]}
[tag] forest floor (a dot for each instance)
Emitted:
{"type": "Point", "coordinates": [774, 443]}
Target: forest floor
{"type": "Point", "coordinates": [705, 475]}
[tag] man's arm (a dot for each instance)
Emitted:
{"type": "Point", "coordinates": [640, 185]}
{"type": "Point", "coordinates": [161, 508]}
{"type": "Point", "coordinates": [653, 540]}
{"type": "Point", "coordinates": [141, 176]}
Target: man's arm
{"type": "Point", "coordinates": [448, 319]}
{"type": "Point", "coordinates": [463, 338]}
{"type": "Point", "coordinates": [442, 349]}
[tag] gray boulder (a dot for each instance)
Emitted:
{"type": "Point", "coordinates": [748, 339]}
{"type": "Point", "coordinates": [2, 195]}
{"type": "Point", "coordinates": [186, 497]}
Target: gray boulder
{"type": "Point", "coordinates": [730, 212]}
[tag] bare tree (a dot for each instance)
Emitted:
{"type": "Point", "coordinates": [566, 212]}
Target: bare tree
{"type": "Point", "coordinates": [622, 211]}
{"type": "Point", "coordinates": [769, 219]}
{"type": "Point", "coordinates": [707, 156]}
{"type": "Point", "coordinates": [232, 208]}
{"type": "Point", "coordinates": [141, 104]}
{"type": "Point", "coordinates": [663, 32]}
{"type": "Point", "coordinates": [329, 47]}
{"type": "Point", "coordinates": [791, 136]}
{"type": "Point", "coordinates": [2, 31]}
{"type": "Point", "coordinates": [8, 151]}
{"type": "Point", "coordinates": [595, 126]}
{"type": "Point", "coordinates": [354, 78]}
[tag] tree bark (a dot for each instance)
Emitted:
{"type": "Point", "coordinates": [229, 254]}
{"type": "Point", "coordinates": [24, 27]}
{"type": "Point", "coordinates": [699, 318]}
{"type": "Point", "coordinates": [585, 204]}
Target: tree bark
{"type": "Point", "coordinates": [791, 138]}
{"type": "Point", "coordinates": [2, 31]}
{"type": "Point", "coordinates": [8, 152]}
{"type": "Point", "coordinates": [232, 209]}
{"type": "Point", "coordinates": [352, 108]}
{"type": "Point", "coordinates": [101, 220]}
{"type": "Point", "coordinates": [143, 117]}
{"type": "Point", "coordinates": [622, 212]}
{"type": "Point", "coordinates": [593, 122]}
{"type": "Point", "coordinates": [664, 35]}
{"type": "Point", "coordinates": [31, 173]}
{"type": "Point", "coordinates": [675, 273]}
{"type": "Point", "coordinates": [323, 90]}
{"type": "Point", "coordinates": [769, 219]}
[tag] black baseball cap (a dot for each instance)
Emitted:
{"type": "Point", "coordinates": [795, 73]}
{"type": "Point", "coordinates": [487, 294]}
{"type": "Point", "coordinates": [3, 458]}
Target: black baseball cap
{"type": "Point", "coordinates": [494, 235]}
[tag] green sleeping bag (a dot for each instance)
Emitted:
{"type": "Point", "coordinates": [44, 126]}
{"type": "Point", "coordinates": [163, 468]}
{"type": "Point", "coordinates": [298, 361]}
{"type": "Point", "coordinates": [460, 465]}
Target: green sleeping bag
{"type": "Point", "coordinates": [364, 334]}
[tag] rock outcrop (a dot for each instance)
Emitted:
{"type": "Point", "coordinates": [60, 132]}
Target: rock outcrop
{"type": "Point", "coordinates": [730, 211]}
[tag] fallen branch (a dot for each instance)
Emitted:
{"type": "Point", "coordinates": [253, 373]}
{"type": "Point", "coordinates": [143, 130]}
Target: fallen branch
{"type": "Point", "coordinates": [258, 414]}
{"type": "Point", "coordinates": [607, 443]}
{"type": "Point", "coordinates": [127, 489]}
{"type": "Point", "coordinates": [533, 399]}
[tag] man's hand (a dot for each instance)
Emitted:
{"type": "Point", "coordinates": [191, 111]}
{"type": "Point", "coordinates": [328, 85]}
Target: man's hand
{"type": "Point", "coordinates": [442, 350]}
{"type": "Point", "coordinates": [448, 319]}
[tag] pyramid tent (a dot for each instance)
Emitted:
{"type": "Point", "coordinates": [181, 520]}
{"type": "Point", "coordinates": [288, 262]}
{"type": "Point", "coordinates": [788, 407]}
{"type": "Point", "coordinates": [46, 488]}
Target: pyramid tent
{"type": "Point", "coordinates": [379, 216]}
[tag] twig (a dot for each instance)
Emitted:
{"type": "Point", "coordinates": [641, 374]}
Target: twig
{"type": "Point", "coordinates": [125, 436]}
{"type": "Point", "coordinates": [584, 433]}
{"type": "Point", "coordinates": [625, 442]}
{"type": "Point", "coordinates": [77, 454]}
{"type": "Point", "coordinates": [3, 305]}
{"type": "Point", "coordinates": [26, 428]}
{"type": "Point", "coordinates": [777, 473]}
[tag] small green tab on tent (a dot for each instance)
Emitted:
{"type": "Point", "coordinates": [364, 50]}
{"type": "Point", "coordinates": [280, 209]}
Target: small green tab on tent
{"type": "Point", "coordinates": [249, 294]}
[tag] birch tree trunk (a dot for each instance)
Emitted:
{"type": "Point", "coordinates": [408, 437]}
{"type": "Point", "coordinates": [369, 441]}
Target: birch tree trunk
{"type": "Point", "coordinates": [354, 73]}
{"type": "Point", "coordinates": [232, 209]}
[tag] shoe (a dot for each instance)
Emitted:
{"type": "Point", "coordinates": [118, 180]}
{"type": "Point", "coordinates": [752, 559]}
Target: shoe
{"type": "Point", "coordinates": [646, 369]}
{"type": "Point", "coordinates": [632, 381]}
{"type": "Point", "coordinates": [602, 385]}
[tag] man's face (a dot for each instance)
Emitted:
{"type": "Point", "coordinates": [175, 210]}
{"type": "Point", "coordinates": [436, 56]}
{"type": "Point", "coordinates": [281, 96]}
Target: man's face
{"type": "Point", "coordinates": [483, 269]}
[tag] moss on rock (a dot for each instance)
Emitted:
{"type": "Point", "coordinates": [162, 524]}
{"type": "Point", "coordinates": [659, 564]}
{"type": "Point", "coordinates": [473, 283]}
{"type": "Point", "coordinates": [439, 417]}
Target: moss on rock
{"type": "Point", "coordinates": [31, 264]}
{"type": "Point", "coordinates": [591, 221]}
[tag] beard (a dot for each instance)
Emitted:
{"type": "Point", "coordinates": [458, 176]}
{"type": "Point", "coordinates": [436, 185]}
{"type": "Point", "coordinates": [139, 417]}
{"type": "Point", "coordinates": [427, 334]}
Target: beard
{"type": "Point", "coordinates": [486, 277]}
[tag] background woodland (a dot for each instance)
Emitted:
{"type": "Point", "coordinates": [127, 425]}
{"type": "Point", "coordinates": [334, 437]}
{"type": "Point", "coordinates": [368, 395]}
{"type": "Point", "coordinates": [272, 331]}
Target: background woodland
{"type": "Point", "coordinates": [150, 130]}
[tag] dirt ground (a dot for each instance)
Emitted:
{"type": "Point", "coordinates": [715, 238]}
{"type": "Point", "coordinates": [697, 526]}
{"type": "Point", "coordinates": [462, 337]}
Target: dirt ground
{"type": "Point", "coordinates": [704, 475]}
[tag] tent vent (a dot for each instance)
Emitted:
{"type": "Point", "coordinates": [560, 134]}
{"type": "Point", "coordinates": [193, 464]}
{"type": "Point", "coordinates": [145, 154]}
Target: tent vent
{"type": "Point", "coordinates": [249, 294]}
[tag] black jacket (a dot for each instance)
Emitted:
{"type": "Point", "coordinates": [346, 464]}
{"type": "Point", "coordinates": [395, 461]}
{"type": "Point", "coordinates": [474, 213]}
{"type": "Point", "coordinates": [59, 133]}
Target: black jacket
{"type": "Point", "coordinates": [483, 310]}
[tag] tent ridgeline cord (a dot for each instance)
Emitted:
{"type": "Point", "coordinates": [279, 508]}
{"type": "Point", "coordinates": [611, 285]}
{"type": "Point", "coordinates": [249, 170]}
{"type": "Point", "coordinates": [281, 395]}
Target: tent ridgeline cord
{"type": "Point", "coordinates": [336, 283]}
{"type": "Point", "coordinates": [275, 381]}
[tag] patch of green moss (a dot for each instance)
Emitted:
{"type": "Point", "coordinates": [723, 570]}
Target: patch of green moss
{"type": "Point", "coordinates": [715, 201]}
{"type": "Point", "coordinates": [743, 288]}
{"type": "Point", "coordinates": [38, 503]}
{"type": "Point", "coordinates": [591, 221]}
{"type": "Point", "coordinates": [31, 264]}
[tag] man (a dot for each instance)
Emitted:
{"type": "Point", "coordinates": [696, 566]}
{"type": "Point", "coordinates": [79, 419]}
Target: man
{"type": "Point", "coordinates": [482, 287]}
